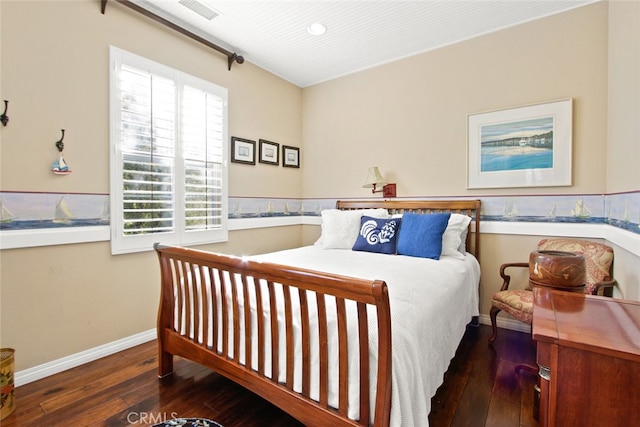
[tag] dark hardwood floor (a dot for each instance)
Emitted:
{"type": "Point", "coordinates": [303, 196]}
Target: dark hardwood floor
{"type": "Point", "coordinates": [480, 388]}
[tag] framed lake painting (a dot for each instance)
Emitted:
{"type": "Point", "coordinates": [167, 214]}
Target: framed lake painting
{"type": "Point", "coordinates": [527, 146]}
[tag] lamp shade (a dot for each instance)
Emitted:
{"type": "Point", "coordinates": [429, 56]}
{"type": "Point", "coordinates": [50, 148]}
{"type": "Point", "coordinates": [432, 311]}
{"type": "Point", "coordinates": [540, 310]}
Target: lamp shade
{"type": "Point", "coordinates": [374, 178]}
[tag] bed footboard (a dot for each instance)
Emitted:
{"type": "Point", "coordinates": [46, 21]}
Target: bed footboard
{"type": "Point", "coordinates": [289, 335]}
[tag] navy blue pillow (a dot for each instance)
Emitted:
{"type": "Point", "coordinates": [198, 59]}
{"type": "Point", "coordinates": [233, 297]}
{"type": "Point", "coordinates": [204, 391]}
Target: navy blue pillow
{"type": "Point", "coordinates": [421, 234]}
{"type": "Point", "coordinates": [377, 235]}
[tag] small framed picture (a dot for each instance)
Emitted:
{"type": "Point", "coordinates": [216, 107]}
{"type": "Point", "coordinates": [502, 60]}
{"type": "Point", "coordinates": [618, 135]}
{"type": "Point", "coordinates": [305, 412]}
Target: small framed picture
{"type": "Point", "coordinates": [243, 151]}
{"type": "Point", "coordinates": [269, 152]}
{"type": "Point", "coordinates": [290, 157]}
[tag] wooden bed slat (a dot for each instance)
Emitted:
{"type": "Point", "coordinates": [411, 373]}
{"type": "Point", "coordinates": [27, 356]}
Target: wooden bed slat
{"type": "Point", "coordinates": [383, 387]}
{"type": "Point", "coordinates": [180, 296]}
{"type": "Point", "coordinates": [261, 327]}
{"type": "Point", "coordinates": [363, 348]}
{"type": "Point", "coordinates": [248, 356]}
{"type": "Point", "coordinates": [186, 288]}
{"type": "Point", "coordinates": [224, 312]}
{"type": "Point", "coordinates": [288, 333]}
{"type": "Point", "coordinates": [235, 317]}
{"type": "Point", "coordinates": [343, 362]}
{"type": "Point", "coordinates": [275, 342]}
{"type": "Point", "coordinates": [323, 348]}
{"type": "Point", "coordinates": [306, 342]}
{"type": "Point", "coordinates": [204, 308]}
{"type": "Point", "coordinates": [214, 309]}
{"type": "Point", "coordinates": [195, 304]}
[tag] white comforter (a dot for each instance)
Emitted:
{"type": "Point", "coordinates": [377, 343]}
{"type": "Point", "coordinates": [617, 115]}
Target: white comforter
{"type": "Point", "coordinates": [431, 304]}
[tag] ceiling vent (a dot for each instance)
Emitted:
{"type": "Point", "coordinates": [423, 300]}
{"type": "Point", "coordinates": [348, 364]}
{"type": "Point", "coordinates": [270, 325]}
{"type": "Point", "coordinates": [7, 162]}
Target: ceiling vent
{"type": "Point", "coordinates": [199, 8]}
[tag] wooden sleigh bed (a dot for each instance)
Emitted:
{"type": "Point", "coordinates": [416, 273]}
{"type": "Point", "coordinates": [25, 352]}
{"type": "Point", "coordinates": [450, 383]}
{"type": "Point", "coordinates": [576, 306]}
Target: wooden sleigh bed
{"type": "Point", "coordinates": [317, 344]}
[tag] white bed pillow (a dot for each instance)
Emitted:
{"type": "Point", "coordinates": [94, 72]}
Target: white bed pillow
{"type": "Point", "coordinates": [463, 241]}
{"type": "Point", "coordinates": [340, 228]}
{"type": "Point", "coordinates": [455, 235]}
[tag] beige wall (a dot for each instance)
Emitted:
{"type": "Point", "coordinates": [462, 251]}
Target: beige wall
{"type": "Point", "coordinates": [60, 300]}
{"type": "Point", "coordinates": [623, 142]}
{"type": "Point", "coordinates": [623, 150]}
{"type": "Point", "coordinates": [410, 117]}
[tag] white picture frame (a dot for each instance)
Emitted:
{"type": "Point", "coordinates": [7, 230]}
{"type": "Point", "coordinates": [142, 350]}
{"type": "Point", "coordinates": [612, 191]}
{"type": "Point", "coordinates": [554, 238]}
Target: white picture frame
{"type": "Point", "coordinates": [527, 146]}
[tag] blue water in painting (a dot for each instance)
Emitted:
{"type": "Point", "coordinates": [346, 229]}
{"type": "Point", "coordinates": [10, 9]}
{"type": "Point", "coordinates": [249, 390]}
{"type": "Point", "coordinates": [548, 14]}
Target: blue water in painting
{"type": "Point", "coordinates": [499, 162]}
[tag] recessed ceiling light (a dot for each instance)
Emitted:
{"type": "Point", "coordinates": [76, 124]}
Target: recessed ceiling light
{"type": "Point", "coordinates": [316, 29]}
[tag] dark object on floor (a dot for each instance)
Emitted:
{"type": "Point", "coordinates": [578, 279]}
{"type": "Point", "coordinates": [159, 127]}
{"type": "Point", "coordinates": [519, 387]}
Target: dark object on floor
{"type": "Point", "coordinates": [188, 422]}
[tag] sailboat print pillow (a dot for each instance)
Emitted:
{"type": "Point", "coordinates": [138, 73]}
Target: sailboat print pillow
{"type": "Point", "coordinates": [377, 235]}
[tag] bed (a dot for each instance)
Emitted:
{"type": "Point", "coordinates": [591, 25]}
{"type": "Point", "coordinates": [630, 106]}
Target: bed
{"type": "Point", "coordinates": [312, 329]}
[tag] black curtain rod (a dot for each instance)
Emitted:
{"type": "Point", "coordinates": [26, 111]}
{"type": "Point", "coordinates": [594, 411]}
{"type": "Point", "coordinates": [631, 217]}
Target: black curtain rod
{"type": "Point", "coordinates": [231, 56]}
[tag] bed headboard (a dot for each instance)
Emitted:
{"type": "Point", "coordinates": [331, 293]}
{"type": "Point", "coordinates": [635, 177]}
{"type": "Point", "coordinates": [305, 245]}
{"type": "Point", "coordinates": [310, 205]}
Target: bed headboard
{"type": "Point", "coordinates": [465, 207]}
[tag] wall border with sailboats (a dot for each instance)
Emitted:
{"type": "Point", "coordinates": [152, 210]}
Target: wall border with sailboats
{"type": "Point", "coordinates": [37, 210]}
{"type": "Point", "coordinates": [42, 219]}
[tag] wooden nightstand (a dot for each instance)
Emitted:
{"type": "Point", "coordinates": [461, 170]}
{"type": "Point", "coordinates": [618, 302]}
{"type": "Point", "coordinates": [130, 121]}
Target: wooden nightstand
{"type": "Point", "coordinates": [588, 351]}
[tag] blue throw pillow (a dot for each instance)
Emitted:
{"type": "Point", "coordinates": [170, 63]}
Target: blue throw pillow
{"type": "Point", "coordinates": [377, 235]}
{"type": "Point", "coordinates": [421, 234]}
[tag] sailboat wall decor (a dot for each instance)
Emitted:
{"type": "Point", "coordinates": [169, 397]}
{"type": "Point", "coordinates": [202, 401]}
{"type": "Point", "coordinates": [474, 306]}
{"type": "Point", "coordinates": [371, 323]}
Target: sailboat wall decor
{"type": "Point", "coordinates": [60, 167]}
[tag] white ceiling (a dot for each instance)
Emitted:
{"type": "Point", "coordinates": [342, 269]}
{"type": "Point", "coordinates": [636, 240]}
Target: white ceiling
{"type": "Point", "coordinates": [272, 34]}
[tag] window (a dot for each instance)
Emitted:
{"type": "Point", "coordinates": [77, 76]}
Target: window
{"type": "Point", "coordinates": [168, 151]}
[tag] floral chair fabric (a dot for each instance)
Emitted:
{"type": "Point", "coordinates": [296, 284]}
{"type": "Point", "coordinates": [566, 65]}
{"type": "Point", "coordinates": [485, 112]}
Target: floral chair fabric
{"type": "Point", "coordinates": [598, 257]}
{"type": "Point", "coordinates": [519, 302]}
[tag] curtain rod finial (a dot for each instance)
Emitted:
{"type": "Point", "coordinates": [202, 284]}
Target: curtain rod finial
{"type": "Point", "coordinates": [234, 57]}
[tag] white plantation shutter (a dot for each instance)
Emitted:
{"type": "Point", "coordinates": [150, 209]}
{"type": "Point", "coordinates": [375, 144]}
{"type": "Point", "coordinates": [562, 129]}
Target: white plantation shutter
{"type": "Point", "coordinates": [148, 152]}
{"type": "Point", "coordinates": [168, 175]}
{"type": "Point", "coordinates": [202, 140]}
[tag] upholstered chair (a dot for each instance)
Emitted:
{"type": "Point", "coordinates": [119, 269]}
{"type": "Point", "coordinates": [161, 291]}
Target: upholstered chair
{"type": "Point", "coordinates": [519, 302]}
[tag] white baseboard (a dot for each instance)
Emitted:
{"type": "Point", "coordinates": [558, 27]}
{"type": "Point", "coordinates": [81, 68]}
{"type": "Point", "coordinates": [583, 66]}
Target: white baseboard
{"type": "Point", "coordinates": [506, 323]}
{"type": "Point", "coordinates": [50, 368]}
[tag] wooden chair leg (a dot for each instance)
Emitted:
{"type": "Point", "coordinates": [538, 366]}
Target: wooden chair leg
{"type": "Point", "coordinates": [493, 314]}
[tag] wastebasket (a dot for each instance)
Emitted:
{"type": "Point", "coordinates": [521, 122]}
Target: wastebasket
{"type": "Point", "coordinates": [7, 400]}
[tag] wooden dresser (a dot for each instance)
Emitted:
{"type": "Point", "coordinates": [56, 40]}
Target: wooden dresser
{"type": "Point", "coordinates": [588, 352]}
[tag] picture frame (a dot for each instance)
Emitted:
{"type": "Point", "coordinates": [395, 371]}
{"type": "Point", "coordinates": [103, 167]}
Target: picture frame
{"type": "Point", "coordinates": [269, 152]}
{"type": "Point", "coordinates": [528, 146]}
{"type": "Point", "coordinates": [243, 151]}
{"type": "Point", "coordinates": [290, 157]}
